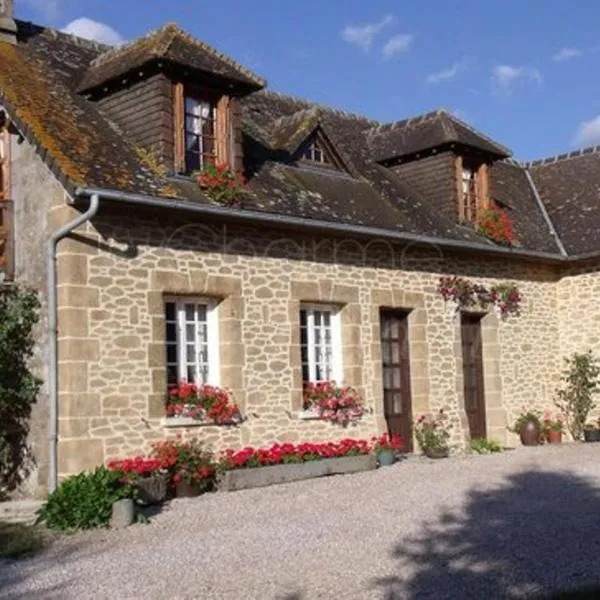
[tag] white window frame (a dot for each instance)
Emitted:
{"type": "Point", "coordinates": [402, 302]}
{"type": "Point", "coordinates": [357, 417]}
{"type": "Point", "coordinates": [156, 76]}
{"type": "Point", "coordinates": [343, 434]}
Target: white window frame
{"type": "Point", "coordinates": [212, 336]}
{"type": "Point", "coordinates": [336, 367]}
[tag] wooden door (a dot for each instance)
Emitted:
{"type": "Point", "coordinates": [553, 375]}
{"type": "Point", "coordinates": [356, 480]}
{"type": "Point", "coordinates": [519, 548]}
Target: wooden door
{"type": "Point", "coordinates": [396, 375]}
{"type": "Point", "coordinates": [474, 393]}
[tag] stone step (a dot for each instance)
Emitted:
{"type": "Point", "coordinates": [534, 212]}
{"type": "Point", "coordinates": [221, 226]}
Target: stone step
{"type": "Point", "coordinates": [19, 511]}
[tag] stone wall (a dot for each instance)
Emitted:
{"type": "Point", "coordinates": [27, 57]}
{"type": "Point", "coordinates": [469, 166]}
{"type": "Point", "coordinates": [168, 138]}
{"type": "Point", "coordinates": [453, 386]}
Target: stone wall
{"type": "Point", "coordinates": [38, 210]}
{"type": "Point", "coordinates": [113, 276]}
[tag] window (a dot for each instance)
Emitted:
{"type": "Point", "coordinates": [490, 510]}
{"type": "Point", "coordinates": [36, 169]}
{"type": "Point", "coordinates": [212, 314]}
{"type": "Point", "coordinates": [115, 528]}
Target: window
{"type": "Point", "coordinates": [472, 177]}
{"type": "Point", "coordinates": [315, 152]}
{"type": "Point", "coordinates": [200, 133]}
{"type": "Point", "coordinates": [192, 341]}
{"type": "Point", "coordinates": [469, 192]}
{"type": "Point", "coordinates": [320, 343]}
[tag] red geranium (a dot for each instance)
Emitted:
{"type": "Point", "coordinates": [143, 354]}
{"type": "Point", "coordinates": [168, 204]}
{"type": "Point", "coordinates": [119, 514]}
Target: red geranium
{"type": "Point", "coordinates": [333, 403]}
{"type": "Point", "coordinates": [201, 402]}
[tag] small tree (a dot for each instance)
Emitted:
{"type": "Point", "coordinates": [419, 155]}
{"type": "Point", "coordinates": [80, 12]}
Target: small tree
{"type": "Point", "coordinates": [18, 386]}
{"type": "Point", "coordinates": [580, 383]}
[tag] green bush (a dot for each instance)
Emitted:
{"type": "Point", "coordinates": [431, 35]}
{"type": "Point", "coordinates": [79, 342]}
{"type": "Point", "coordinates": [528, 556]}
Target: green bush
{"type": "Point", "coordinates": [483, 446]}
{"type": "Point", "coordinates": [84, 501]}
{"type": "Point", "coordinates": [19, 311]}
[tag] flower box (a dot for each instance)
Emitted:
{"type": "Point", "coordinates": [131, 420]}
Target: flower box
{"type": "Point", "coordinates": [239, 479]}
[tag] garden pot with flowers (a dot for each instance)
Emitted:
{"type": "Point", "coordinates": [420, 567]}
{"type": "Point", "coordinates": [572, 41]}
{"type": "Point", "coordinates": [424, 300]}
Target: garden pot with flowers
{"type": "Point", "coordinates": [203, 402]}
{"type": "Point", "coordinates": [147, 475]}
{"type": "Point", "coordinates": [553, 427]}
{"type": "Point", "coordinates": [281, 463]}
{"type": "Point", "coordinates": [332, 402]}
{"type": "Point", "coordinates": [591, 432]}
{"type": "Point", "coordinates": [190, 467]}
{"type": "Point", "coordinates": [528, 426]}
{"type": "Point", "coordinates": [386, 447]}
{"type": "Point", "coordinates": [433, 434]}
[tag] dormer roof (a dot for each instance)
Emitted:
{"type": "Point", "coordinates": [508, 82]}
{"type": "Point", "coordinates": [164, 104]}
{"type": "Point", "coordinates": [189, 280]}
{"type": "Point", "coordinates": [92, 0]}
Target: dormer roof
{"type": "Point", "coordinates": [431, 130]}
{"type": "Point", "coordinates": [170, 44]}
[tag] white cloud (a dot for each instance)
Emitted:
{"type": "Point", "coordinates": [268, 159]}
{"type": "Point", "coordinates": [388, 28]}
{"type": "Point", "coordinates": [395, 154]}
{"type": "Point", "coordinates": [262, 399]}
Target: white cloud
{"type": "Point", "coordinates": [446, 73]}
{"type": "Point", "coordinates": [94, 30]}
{"type": "Point", "coordinates": [462, 115]}
{"type": "Point", "coordinates": [49, 9]}
{"type": "Point", "coordinates": [397, 44]}
{"type": "Point", "coordinates": [588, 132]}
{"type": "Point", "coordinates": [567, 54]}
{"type": "Point", "coordinates": [505, 75]}
{"type": "Point", "coordinates": [363, 35]}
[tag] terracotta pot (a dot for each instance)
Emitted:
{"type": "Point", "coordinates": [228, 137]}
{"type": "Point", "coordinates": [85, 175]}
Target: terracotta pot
{"type": "Point", "coordinates": [554, 437]}
{"type": "Point", "coordinates": [530, 434]}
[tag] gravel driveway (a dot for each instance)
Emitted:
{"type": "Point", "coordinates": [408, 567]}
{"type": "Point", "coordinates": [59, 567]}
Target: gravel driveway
{"type": "Point", "coordinates": [523, 523]}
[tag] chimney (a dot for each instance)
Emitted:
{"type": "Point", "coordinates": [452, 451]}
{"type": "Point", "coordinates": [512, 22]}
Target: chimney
{"type": "Point", "coordinates": [8, 27]}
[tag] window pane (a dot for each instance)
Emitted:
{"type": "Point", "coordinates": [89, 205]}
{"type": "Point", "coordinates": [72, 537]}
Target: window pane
{"type": "Point", "coordinates": [170, 311]}
{"type": "Point", "coordinates": [201, 312]}
{"type": "Point", "coordinates": [191, 374]}
{"type": "Point", "coordinates": [190, 312]}
{"type": "Point", "coordinates": [191, 353]}
{"type": "Point", "coordinates": [172, 353]}
{"type": "Point", "coordinates": [172, 375]}
{"type": "Point", "coordinates": [171, 332]}
{"type": "Point", "coordinates": [327, 318]}
{"type": "Point", "coordinates": [191, 105]}
{"type": "Point", "coordinates": [190, 332]}
{"type": "Point", "coordinates": [192, 161]}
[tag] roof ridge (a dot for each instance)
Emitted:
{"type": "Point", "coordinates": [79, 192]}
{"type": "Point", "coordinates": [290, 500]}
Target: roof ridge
{"type": "Point", "coordinates": [80, 41]}
{"type": "Point", "coordinates": [177, 31]}
{"type": "Point", "coordinates": [407, 122]}
{"type": "Point", "coordinates": [560, 157]}
{"type": "Point", "coordinates": [474, 131]}
{"type": "Point", "coordinates": [318, 105]}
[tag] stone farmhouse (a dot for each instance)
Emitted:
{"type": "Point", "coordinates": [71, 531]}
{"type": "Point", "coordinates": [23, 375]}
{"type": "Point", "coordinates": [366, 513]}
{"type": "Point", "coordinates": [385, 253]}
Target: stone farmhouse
{"type": "Point", "coordinates": [326, 267]}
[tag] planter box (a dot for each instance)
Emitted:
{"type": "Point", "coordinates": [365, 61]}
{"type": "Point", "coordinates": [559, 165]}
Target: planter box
{"type": "Point", "coordinates": [240, 479]}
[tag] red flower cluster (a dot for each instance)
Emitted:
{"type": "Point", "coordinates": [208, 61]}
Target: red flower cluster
{"type": "Point", "coordinates": [185, 461]}
{"type": "Point", "coordinates": [140, 466]}
{"type": "Point", "coordinates": [291, 453]}
{"type": "Point", "coordinates": [221, 182]}
{"type": "Point", "coordinates": [334, 403]}
{"type": "Point", "coordinates": [495, 224]}
{"type": "Point", "coordinates": [507, 298]}
{"type": "Point", "coordinates": [201, 402]}
{"type": "Point", "coordinates": [386, 442]}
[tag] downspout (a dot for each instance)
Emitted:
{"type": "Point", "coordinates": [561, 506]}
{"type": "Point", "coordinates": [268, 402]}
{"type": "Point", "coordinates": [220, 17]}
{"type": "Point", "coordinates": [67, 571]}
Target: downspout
{"type": "Point", "coordinates": [53, 331]}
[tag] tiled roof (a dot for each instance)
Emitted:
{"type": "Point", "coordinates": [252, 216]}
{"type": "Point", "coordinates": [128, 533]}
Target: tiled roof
{"type": "Point", "coordinates": [168, 43]}
{"type": "Point", "coordinates": [569, 186]}
{"type": "Point", "coordinates": [38, 86]}
{"type": "Point", "coordinates": [430, 130]}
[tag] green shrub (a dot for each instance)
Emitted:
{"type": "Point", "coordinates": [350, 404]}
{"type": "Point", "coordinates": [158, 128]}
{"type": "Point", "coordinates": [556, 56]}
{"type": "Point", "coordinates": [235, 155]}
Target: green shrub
{"type": "Point", "coordinates": [483, 446]}
{"type": "Point", "coordinates": [19, 311]}
{"type": "Point", "coordinates": [84, 501]}
{"type": "Point", "coordinates": [580, 383]}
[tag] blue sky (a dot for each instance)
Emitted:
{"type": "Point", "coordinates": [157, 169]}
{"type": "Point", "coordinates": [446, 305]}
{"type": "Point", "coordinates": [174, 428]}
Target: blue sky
{"type": "Point", "coordinates": [524, 72]}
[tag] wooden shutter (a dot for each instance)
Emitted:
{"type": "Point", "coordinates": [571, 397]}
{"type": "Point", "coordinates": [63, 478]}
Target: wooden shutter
{"type": "Point", "coordinates": [179, 127]}
{"type": "Point", "coordinates": [483, 193]}
{"type": "Point", "coordinates": [6, 207]}
{"type": "Point", "coordinates": [222, 131]}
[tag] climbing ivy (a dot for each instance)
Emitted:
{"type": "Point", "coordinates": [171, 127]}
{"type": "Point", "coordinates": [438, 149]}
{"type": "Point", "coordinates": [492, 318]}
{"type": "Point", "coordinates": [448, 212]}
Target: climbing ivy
{"type": "Point", "coordinates": [19, 312]}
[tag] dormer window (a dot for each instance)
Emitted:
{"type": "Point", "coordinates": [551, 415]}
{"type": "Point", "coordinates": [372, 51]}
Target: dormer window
{"type": "Point", "coordinates": [472, 188]}
{"type": "Point", "coordinates": [314, 152]}
{"type": "Point", "coordinates": [200, 133]}
{"type": "Point", "coordinates": [203, 129]}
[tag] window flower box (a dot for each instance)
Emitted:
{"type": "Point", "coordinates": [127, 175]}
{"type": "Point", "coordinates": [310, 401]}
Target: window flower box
{"type": "Point", "coordinates": [200, 404]}
{"type": "Point", "coordinates": [332, 402]}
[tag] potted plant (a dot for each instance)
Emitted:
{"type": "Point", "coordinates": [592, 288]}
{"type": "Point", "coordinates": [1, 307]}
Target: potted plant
{"type": "Point", "coordinates": [591, 432]}
{"type": "Point", "coordinates": [385, 448]}
{"type": "Point", "coordinates": [190, 466]}
{"type": "Point", "coordinates": [528, 426]}
{"type": "Point", "coordinates": [553, 427]}
{"type": "Point", "coordinates": [203, 403]}
{"type": "Point", "coordinates": [576, 397]}
{"type": "Point", "coordinates": [432, 434]}
{"type": "Point", "coordinates": [146, 475]}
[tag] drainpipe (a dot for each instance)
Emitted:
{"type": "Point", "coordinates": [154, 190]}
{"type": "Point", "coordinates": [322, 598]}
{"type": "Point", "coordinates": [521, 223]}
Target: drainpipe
{"type": "Point", "coordinates": [53, 331]}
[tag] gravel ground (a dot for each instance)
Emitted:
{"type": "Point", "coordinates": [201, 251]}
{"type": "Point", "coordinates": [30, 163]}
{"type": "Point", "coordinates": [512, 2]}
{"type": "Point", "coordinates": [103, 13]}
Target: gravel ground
{"type": "Point", "coordinates": [521, 524]}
